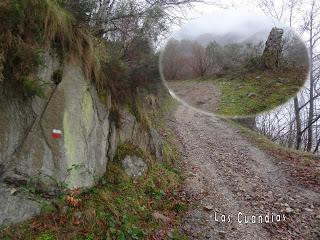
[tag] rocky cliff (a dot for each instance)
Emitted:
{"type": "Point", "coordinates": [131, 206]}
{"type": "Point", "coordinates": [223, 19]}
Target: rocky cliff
{"type": "Point", "coordinates": [88, 136]}
{"type": "Point", "coordinates": [273, 49]}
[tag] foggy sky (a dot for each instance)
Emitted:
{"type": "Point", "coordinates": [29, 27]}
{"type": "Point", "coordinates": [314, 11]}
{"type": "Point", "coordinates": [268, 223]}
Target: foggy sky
{"type": "Point", "coordinates": [227, 21]}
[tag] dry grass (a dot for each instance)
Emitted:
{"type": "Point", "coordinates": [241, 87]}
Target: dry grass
{"type": "Point", "coordinates": [58, 25]}
{"type": "Point", "coordinates": [77, 42]}
{"type": "Point", "coordinates": [50, 27]}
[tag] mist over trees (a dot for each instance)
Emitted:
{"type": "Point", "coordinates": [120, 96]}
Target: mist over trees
{"type": "Point", "coordinates": [187, 59]}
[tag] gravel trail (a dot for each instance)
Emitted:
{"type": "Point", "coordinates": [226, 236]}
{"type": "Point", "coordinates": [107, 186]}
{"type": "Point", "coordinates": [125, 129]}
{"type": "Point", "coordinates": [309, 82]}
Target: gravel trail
{"type": "Point", "coordinates": [229, 180]}
{"type": "Point", "coordinates": [203, 95]}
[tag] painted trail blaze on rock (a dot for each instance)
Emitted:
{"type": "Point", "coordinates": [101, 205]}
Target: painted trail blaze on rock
{"type": "Point", "coordinates": [56, 134]}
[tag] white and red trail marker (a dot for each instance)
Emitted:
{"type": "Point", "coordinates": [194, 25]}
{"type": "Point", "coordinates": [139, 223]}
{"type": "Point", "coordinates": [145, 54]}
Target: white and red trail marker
{"type": "Point", "coordinates": [56, 134]}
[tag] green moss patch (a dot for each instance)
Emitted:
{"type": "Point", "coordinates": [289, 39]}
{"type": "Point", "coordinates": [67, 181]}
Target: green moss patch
{"type": "Point", "coordinates": [115, 174]}
{"type": "Point", "coordinates": [255, 92]}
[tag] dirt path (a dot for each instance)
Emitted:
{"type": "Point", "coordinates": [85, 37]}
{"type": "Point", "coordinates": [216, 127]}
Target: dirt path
{"type": "Point", "coordinates": [225, 175]}
{"type": "Point", "coordinates": [202, 95]}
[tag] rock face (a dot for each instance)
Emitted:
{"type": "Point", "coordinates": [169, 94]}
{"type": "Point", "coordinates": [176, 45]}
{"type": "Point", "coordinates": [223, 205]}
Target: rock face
{"type": "Point", "coordinates": [273, 49]}
{"type": "Point", "coordinates": [29, 152]}
{"type": "Point", "coordinates": [76, 157]}
{"type": "Point", "coordinates": [15, 209]}
{"type": "Point", "coordinates": [134, 166]}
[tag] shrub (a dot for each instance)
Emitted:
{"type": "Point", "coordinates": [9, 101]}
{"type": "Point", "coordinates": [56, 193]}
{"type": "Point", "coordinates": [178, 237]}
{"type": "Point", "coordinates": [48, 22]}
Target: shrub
{"type": "Point", "coordinates": [254, 63]}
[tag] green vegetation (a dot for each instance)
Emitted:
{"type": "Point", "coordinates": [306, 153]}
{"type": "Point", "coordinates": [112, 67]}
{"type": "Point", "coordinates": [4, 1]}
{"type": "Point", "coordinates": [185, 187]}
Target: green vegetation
{"type": "Point", "coordinates": [254, 92]}
{"type": "Point", "coordinates": [113, 209]}
{"type": "Point", "coordinates": [250, 93]}
{"type": "Point", "coordinates": [115, 173]}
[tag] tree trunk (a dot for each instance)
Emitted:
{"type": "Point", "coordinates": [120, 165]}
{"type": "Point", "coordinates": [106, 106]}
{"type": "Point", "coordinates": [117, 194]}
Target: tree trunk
{"type": "Point", "coordinates": [317, 147]}
{"type": "Point", "coordinates": [298, 123]}
{"type": "Point", "coordinates": [311, 103]}
{"type": "Point", "coordinates": [290, 137]}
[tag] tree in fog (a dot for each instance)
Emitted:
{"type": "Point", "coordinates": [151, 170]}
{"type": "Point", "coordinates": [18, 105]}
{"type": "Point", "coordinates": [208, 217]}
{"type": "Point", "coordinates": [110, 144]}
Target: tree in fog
{"type": "Point", "coordinates": [199, 60]}
{"type": "Point", "coordinates": [172, 60]}
{"type": "Point", "coordinates": [292, 51]}
{"type": "Point", "coordinates": [232, 54]}
{"type": "Point", "coordinates": [215, 56]}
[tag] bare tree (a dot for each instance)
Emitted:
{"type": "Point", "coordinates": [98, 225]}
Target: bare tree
{"type": "Point", "coordinates": [285, 10]}
{"type": "Point", "coordinates": [312, 27]}
{"type": "Point", "coordinates": [199, 61]}
{"type": "Point", "coordinates": [171, 60]}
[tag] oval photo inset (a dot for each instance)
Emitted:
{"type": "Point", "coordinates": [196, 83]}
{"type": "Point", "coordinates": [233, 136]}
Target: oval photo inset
{"type": "Point", "coordinates": [237, 66]}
